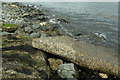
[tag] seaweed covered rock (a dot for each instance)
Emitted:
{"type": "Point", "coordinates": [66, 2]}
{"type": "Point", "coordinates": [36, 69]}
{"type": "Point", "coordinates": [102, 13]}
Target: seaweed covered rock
{"type": "Point", "coordinates": [9, 27]}
{"type": "Point", "coordinates": [21, 60]}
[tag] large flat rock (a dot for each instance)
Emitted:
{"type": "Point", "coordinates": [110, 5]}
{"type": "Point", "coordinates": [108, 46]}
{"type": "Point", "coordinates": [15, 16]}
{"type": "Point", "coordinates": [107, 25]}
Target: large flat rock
{"type": "Point", "coordinates": [81, 53]}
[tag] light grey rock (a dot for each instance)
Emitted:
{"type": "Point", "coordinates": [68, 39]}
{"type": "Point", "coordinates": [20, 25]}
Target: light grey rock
{"type": "Point", "coordinates": [83, 54]}
{"type": "Point", "coordinates": [36, 26]}
{"type": "Point", "coordinates": [5, 33]}
{"type": "Point", "coordinates": [28, 29]}
{"type": "Point", "coordinates": [67, 71]}
{"type": "Point", "coordinates": [35, 35]}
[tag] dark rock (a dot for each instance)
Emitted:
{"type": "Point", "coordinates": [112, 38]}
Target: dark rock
{"type": "Point", "coordinates": [63, 20]}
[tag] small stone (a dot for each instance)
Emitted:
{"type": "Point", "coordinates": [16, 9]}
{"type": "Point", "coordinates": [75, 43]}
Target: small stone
{"type": "Point", "coordinates": [13, 5]}
{"type": "Point", "coordinates": [35, 35]}
{"type": "Point", "coordinates": [35, 26]}
{"type": "Point", "coordinates": [11, 72]}
{"type": "Point", "coordinates": [36, 13]}
{"type": "Point", "coordinates": [28, 29]}
{"type": "Point", "coordinates": [43, 23]}
{"type": "Point", "coordinates": [102, 75]}
{"type": "Point", "coordinates": [54, 63]}
{"type": "Point", "coordinates": [42, 18]}
{"type": "Point", "coordinates": [26, 14]}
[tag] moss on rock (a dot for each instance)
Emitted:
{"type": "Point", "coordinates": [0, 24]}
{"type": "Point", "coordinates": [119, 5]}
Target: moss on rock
{"type": "Point", "coordinates": [9, 27]}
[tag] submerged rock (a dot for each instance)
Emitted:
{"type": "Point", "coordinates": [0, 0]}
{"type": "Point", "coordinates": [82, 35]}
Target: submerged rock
{"type": "Point", "coordinates": [81, 53]}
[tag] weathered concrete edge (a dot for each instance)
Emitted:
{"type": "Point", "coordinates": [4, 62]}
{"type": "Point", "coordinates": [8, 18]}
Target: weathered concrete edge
{"type": "Point", "coordinates": [100, 65]}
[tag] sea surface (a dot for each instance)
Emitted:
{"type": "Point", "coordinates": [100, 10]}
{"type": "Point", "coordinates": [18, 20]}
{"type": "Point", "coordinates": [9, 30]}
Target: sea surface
{"type": "Point", "coordinates": [92, 22]}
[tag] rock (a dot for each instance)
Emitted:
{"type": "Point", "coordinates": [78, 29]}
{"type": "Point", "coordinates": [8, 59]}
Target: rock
{"type": "Point", "coordinates": [5, 33]}
{"type": "Point", "coordinates": [62, 20]}
{"type": "Point", "coordinates": [54, 63]}
{"type": "Point", "coordinates": [42, 18]}
{"type": "Point", "coordinates": [35, 35]}
{"type": "Point", "coordinates": [26, 14]}
{"type": "Point", "coordinates": [67, 71]}
{"type": "Point", "coordinates": [9, 27]}
{"type": "Point", "coordinates": [28, 29]}
{"type": "Point", "coordinates": [43, 23]}
{"type": "Point", "coordinates": [41, 65]}
{"type": "Point", "coordinates": [102, 75]}
{"type": "Point", "coordinates": [36, 26]}
{"type": "Point", "coordinates": [13, 5]}
{"type": "Point", "coordinates": [81, 53]}
{"type": "Point", "coordinates": [54, 21]}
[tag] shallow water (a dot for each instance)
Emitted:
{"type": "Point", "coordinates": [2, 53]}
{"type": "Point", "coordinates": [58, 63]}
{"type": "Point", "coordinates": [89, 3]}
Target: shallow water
{"type": "Point", "coordinates": [96, 22]}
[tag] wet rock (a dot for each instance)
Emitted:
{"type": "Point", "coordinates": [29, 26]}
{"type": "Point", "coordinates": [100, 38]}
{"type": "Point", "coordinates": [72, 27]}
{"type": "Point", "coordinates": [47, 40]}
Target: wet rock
{"type": "Point", "coordinates": [62, 20]}
{"type": "Point", "coordinates": [81, 53]}
{"type": "Point", "coordinates": [67, 71]}
{"type": "Point", "coordinates": [9, 27]}
{"type": "Point", "coordinates": [54, 63]}
{"type": "Point", "coordinates": [35, 35]}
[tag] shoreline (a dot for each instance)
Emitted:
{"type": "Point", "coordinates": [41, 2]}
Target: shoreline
{"type": "Point", "coordinates": [95, 38]}
{"type": "Point", "coordinates": [46, 28]}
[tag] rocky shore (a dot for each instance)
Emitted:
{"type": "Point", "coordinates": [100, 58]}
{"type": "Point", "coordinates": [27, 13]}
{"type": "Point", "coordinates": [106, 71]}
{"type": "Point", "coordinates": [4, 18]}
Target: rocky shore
{"type": "Point", "coordinates": [24, 26]}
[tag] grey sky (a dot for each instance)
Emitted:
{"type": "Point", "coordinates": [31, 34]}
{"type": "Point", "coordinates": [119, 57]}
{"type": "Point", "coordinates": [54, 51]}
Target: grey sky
{"type": "Point", "coordinates": [60, 0]}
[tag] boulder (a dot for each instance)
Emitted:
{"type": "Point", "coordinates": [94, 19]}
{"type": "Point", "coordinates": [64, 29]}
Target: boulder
{"type": "Point", "coordinates": [83, 54]}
